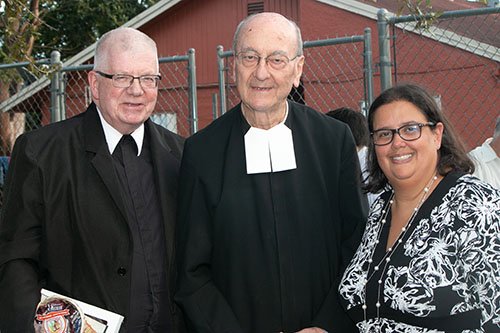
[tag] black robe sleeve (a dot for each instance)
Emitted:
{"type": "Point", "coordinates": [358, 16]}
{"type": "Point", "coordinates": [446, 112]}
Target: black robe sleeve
{"type": "Point", "coordinates": [353, 210]}
{"type": "Point", "coordinates": [20, 230]}
{"type": "Point", "coordinates": [197, 295]}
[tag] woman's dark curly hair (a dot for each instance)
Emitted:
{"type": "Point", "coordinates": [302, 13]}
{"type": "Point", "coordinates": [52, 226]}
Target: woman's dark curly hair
{"type": "Point", "coordinates": [452, 154]}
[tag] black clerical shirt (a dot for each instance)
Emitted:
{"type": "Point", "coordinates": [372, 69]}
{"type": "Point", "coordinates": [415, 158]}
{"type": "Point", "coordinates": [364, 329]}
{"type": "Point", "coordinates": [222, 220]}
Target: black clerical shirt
{"type": "Point", "coordinates": [149, 309]}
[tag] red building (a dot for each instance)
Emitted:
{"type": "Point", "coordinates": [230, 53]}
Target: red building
{"type": "Point", "coordinates": [178, 25]}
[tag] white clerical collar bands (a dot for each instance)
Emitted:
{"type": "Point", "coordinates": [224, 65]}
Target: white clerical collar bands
{"type": "Point", "coordinates": [270, 150]}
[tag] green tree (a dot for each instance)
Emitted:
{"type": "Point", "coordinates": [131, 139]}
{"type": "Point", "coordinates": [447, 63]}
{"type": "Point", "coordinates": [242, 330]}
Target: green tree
{"type": "Point", "coordinates": [71, 25]}
{"type": "Point", "coordinates": [19, 22]}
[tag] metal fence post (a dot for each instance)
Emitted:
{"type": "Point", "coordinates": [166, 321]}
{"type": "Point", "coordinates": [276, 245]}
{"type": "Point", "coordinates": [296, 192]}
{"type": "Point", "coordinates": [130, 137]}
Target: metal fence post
{"type": "Point", "coordinates": [368, 68]}
{"type": "Point", "coordinates": [384, 49]}
{"type": "Point", "coordinates": [193, 100]}
{"type": "Point", "coordinates": [222, 83]}
{"type": "Point", "coordinates": [55, 82]}
{"type": "Point", "coordinates": [214, 107]}
{"type": "Point", "coordinates": [62, 94]}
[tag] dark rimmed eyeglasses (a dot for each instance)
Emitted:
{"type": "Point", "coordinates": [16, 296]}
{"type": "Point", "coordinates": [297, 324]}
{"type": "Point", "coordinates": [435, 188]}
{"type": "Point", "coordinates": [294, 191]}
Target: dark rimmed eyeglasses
{"type": "Point", "coordinates": [251, 59]}
{"type": "Point", "coordinates": [125, 80]}
{"type": "Point", "coordinates": [410, 132]}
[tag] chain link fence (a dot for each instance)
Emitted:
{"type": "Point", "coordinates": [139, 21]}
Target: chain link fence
{"type": "Point", "coordinates": [458, 59]}
{"type": "Point", "coordinates": [337, 73]}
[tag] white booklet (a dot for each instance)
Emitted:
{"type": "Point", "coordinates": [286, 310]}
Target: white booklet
{"type": "Point", "coordinates": [99, 319]}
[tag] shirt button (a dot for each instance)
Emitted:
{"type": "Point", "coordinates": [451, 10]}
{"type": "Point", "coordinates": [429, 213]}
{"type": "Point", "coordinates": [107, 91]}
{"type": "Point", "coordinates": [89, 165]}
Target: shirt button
{"type": "Point", "coordinates": [121, 271]}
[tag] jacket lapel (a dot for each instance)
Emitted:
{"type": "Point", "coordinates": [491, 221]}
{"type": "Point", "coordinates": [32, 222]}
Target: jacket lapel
{"type": "Point", "coordinates": [98, 152]}
{"type": "Point", "coordinates": [166, 168]}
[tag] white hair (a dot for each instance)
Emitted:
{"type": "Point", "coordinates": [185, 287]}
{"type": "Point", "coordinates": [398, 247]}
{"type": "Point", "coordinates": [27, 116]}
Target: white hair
{"type": "Point", "coordinates": [123, 38]}
{"type": "Point", "coordinates": [496, 132]}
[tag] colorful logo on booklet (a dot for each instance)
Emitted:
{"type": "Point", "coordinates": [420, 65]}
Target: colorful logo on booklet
{"type": "Point", "coordinates": [58, 315]}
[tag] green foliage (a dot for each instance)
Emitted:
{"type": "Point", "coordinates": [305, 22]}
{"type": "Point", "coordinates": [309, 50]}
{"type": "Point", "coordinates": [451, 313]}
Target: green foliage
{"type": "Point", "coordinates": [64, 25]}
{"type": "Point", "coordinates": [18, 24]}
{"type": "Point", "coordinates": [71, 25]}
{"type": "Point", "coordinates": [422, 10]}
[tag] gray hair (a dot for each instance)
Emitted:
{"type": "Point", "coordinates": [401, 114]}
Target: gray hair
{"type": "Point", "coordinates": [300, 44]}
{"type": "Point", "coordinates": [496, 132]}
{"type": "Point", "coordinates": [124, 38]}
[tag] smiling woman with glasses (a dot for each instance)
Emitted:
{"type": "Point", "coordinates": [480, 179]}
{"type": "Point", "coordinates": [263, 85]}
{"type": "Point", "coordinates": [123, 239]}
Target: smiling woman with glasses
{"type": "Point", "coordinates": [431, 244]}
{"type": "Point", "coordinates": [408, 132]}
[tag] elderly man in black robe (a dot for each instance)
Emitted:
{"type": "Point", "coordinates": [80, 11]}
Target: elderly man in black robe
{"type": "Point", "coordinates": [270, 210]}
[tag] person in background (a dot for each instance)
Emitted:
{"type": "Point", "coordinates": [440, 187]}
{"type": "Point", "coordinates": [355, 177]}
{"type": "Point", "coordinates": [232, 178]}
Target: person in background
{"type": "Point", "coordinates": [429, 260]}
{"type": "Point", "coordinates": [359, 127]}
{"type": "Point", "coordinates": [90, 202]}
{"type": "Point", "coordinates": [270, 207]}
{"type": "Point", "coordinates": [486, 158]}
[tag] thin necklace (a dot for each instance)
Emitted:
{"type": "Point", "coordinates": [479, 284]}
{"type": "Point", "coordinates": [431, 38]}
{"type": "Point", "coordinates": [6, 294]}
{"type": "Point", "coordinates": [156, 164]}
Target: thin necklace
{"type": "Point", "coordinates": [390, 251]}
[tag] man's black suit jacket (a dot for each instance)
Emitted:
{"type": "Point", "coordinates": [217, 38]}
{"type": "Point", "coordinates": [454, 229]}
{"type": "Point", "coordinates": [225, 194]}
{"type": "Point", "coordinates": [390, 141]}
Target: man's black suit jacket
{"type": "Point", "coordinates": [63, 223]}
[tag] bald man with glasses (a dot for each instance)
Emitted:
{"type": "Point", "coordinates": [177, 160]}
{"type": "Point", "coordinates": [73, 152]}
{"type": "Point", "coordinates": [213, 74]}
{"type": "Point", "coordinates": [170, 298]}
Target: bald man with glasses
{"type": "Point", "coordinates": [90, 202]}
{"type": "Point", "coordinates": [270, 210]}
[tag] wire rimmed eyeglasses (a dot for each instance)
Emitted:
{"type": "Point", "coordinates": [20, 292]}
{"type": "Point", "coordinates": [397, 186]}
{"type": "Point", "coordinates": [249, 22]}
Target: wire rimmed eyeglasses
{"type": "Point", "coordinates": [409, 132]}
{"type": "Point", "coordinates": [125, 80]}
{"type": "Point", "coordinates": [276, 61]}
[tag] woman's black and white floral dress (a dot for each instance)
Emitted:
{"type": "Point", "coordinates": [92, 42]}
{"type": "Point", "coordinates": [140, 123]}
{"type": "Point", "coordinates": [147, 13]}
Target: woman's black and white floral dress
{"type": "Point", "coordinates": [444, 276]}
